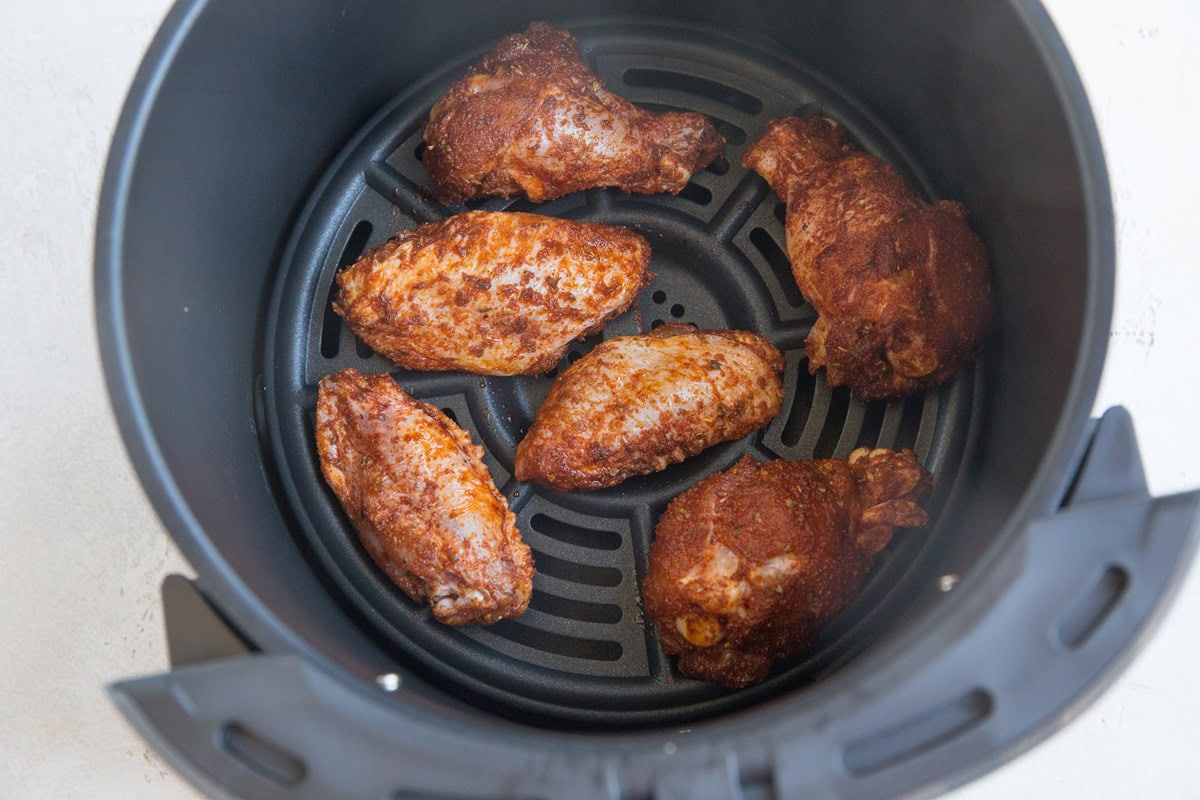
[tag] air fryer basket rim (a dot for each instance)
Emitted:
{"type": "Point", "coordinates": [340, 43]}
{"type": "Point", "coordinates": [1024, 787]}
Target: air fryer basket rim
{"type": "Point", "coordinates": [257, 619]}
{"type": "Point", "coordinates": [252, 616]}
{"type": "Point", "coordinates": [649, 692]}
{"type": "Point", "coordinates": [239, 601]}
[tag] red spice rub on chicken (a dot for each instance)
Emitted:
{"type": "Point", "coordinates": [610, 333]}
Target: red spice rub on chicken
{"type": "Point", "coordinates": [491, 292]}
{"type": "Point", "coordinates": [532, 118]}
{"type": "Point", "coordinates": [748, 565]}
{"type": "Point", "coordinates": [421, 499]}
{"type": "Point", "coordinates": [901, 286]}
{"type": "Point", "coordinates": [637, 404]}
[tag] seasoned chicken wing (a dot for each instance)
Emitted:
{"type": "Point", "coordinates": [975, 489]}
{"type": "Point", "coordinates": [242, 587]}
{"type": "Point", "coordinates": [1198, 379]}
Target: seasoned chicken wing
{"type": "Point", "coordinates": [637, 404]}
{"type": "Point", "coordinates": [748, 565]}
{"type": "Point", "coordinates": [494, 293]}
{"type": "Point", "coordinates": [900, 285]}
{"type": "Point", "coordinates": [422, 501]}
{"type": "Point", "coordinates": [532, 118]}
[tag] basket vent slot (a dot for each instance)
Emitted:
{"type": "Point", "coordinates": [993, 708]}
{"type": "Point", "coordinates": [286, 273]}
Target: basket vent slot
{"type": "Point", "coordinates": [872, 425]}
{"type": "Point", "coordinates": [718, 166]}
{"type": "Point", "coordinates": [575, 535]}
{"type": "Point", "coordinates": [696, 193]}
{"type": "Point", "coordinates": [577, 573]}
{"type": "Point", "coordinates": [766, 245]}
{"type": "Point", "coordinates": [581, 610]}
{"type": "Point", "coordinates": [839, 404]}
{"type": "Point", "coordinates": [556, 643]}
{"type": "Point", "coordinates": [910, 422]}
{"type": "Point", "coordinates": [802, 404]}
{"type": "Point", "coordinates": [1085, 615]}
{"type": "Point", "coordinates": [693, 84]}
{"type": "Point", "coordinates": [260, 756]}
{"type": "Point", "coordinates": [331, 327]}
{"type": "Point", "coordinates": [781, 213]}
{"type": "Point", "coordinates": [918, 734]}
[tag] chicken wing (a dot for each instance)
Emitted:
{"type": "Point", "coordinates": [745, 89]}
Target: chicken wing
{"type": "Point", "coordinates": [636, 404]}
{"type": "Point", "coordinates": [749, 564]}
{"type": "Point", "coordinates": [901, 286]}
{"type": "Point", "coordinates": [493, 293]}
{"type": "Point", "coordinates": [422, 501]}
{"type": "Point", "coordinates": [532, 118]}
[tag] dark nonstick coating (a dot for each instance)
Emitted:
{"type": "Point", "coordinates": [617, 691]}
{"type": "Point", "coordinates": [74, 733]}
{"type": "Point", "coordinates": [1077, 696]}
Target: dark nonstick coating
{"type": "Point", "coordinates": [583, 653]}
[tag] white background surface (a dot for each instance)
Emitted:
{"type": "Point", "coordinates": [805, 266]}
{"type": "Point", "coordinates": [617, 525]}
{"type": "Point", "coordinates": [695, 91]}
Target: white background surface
{"type": "Point", "coordinates": [82, 553]}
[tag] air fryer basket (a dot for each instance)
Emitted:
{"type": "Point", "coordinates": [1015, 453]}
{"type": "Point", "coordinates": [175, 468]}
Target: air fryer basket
{"type": "Point", "coordinates": [583, 652]}
{"type": "Point", "coordinates": [257, 156]}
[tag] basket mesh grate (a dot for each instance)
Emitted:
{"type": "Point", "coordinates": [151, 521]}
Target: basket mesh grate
{"type": "Point", "coordinates": [583, 651]}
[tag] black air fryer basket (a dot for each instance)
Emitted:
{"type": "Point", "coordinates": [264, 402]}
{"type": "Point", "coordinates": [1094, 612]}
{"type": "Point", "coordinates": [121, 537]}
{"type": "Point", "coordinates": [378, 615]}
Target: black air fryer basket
{"type": "Point", "coordinates": [263, 149]}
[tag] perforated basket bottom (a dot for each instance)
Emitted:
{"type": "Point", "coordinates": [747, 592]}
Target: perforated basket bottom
{"type": "Point", "coordinates": [583, 653]}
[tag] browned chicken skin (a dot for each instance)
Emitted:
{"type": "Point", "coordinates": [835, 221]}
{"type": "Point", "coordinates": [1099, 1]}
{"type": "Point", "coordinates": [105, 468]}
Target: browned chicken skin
{"type": "Point", "coordinates": [900, 285]}
{"type": "Point", "coordinates": [493, 293]}
{"type": "Point", "coordinates": [532, 118]}
{"type": "Point", "coordinates": [748, 565]}
{"type": "Point", "coordinates": [637, 404]}
{"type": "Point", "coordinates": [421, 499]}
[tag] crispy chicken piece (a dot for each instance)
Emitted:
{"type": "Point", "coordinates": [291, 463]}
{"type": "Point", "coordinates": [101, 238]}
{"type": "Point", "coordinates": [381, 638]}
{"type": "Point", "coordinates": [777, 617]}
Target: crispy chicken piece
{"type": "Point", "coordinates": [532, 118]}
{"type": "Point", "coordinates": [422, 501]}
{"type": "Point", "coordinates": [901, 286]}
{"type": "Point", "coordinates": [494, 293]}
{"type": "Point", "coordinates": [748, 565]}
{"type": "Point", "coordinates": [637, 404]}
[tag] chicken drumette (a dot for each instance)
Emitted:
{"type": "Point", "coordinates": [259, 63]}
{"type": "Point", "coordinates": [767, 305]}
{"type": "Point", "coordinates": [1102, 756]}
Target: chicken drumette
{"type": "Point", "coordinates": [532, 118]}
{"type": "Point", "coordinates": [421, 499]}
{"type": "Point", "coordinates": [901, 286]}
{"type": "Point", "coordinates": [748, 565]}
{"type": "Point", "coordinates": [636, 404]}
{"type": "Point", "coordinates": [494, 293]}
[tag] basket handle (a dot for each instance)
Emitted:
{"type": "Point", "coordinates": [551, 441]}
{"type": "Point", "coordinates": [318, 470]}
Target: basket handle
{"type": "Point", "coordinates": [1072, 606]}
{"type": "Point", "coordinates": [268, 727]}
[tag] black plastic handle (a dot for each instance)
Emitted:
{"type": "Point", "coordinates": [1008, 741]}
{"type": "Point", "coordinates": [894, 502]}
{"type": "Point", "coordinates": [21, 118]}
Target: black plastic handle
{"type": "Point", "coordinates": [1023, 652]}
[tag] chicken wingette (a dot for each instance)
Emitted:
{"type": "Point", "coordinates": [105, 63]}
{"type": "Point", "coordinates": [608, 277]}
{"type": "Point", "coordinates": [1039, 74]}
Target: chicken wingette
{"type": "Point", "coordinates": [493, 293]}
{"type": "Point", "coordinates": [900, 286]}
{"type": "Point", "coordinates": [417, 491]}
{"type": "Point", "coordinates": [636, 404]}
{"type": "Point", "coordinates": [748, 565]}
{"type": "Point", "coordinates": [531, 118]}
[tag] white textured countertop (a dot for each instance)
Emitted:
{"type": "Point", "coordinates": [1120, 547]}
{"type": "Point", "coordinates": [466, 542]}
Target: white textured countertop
{"type": "Point", "coordinates": [82, 553]}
